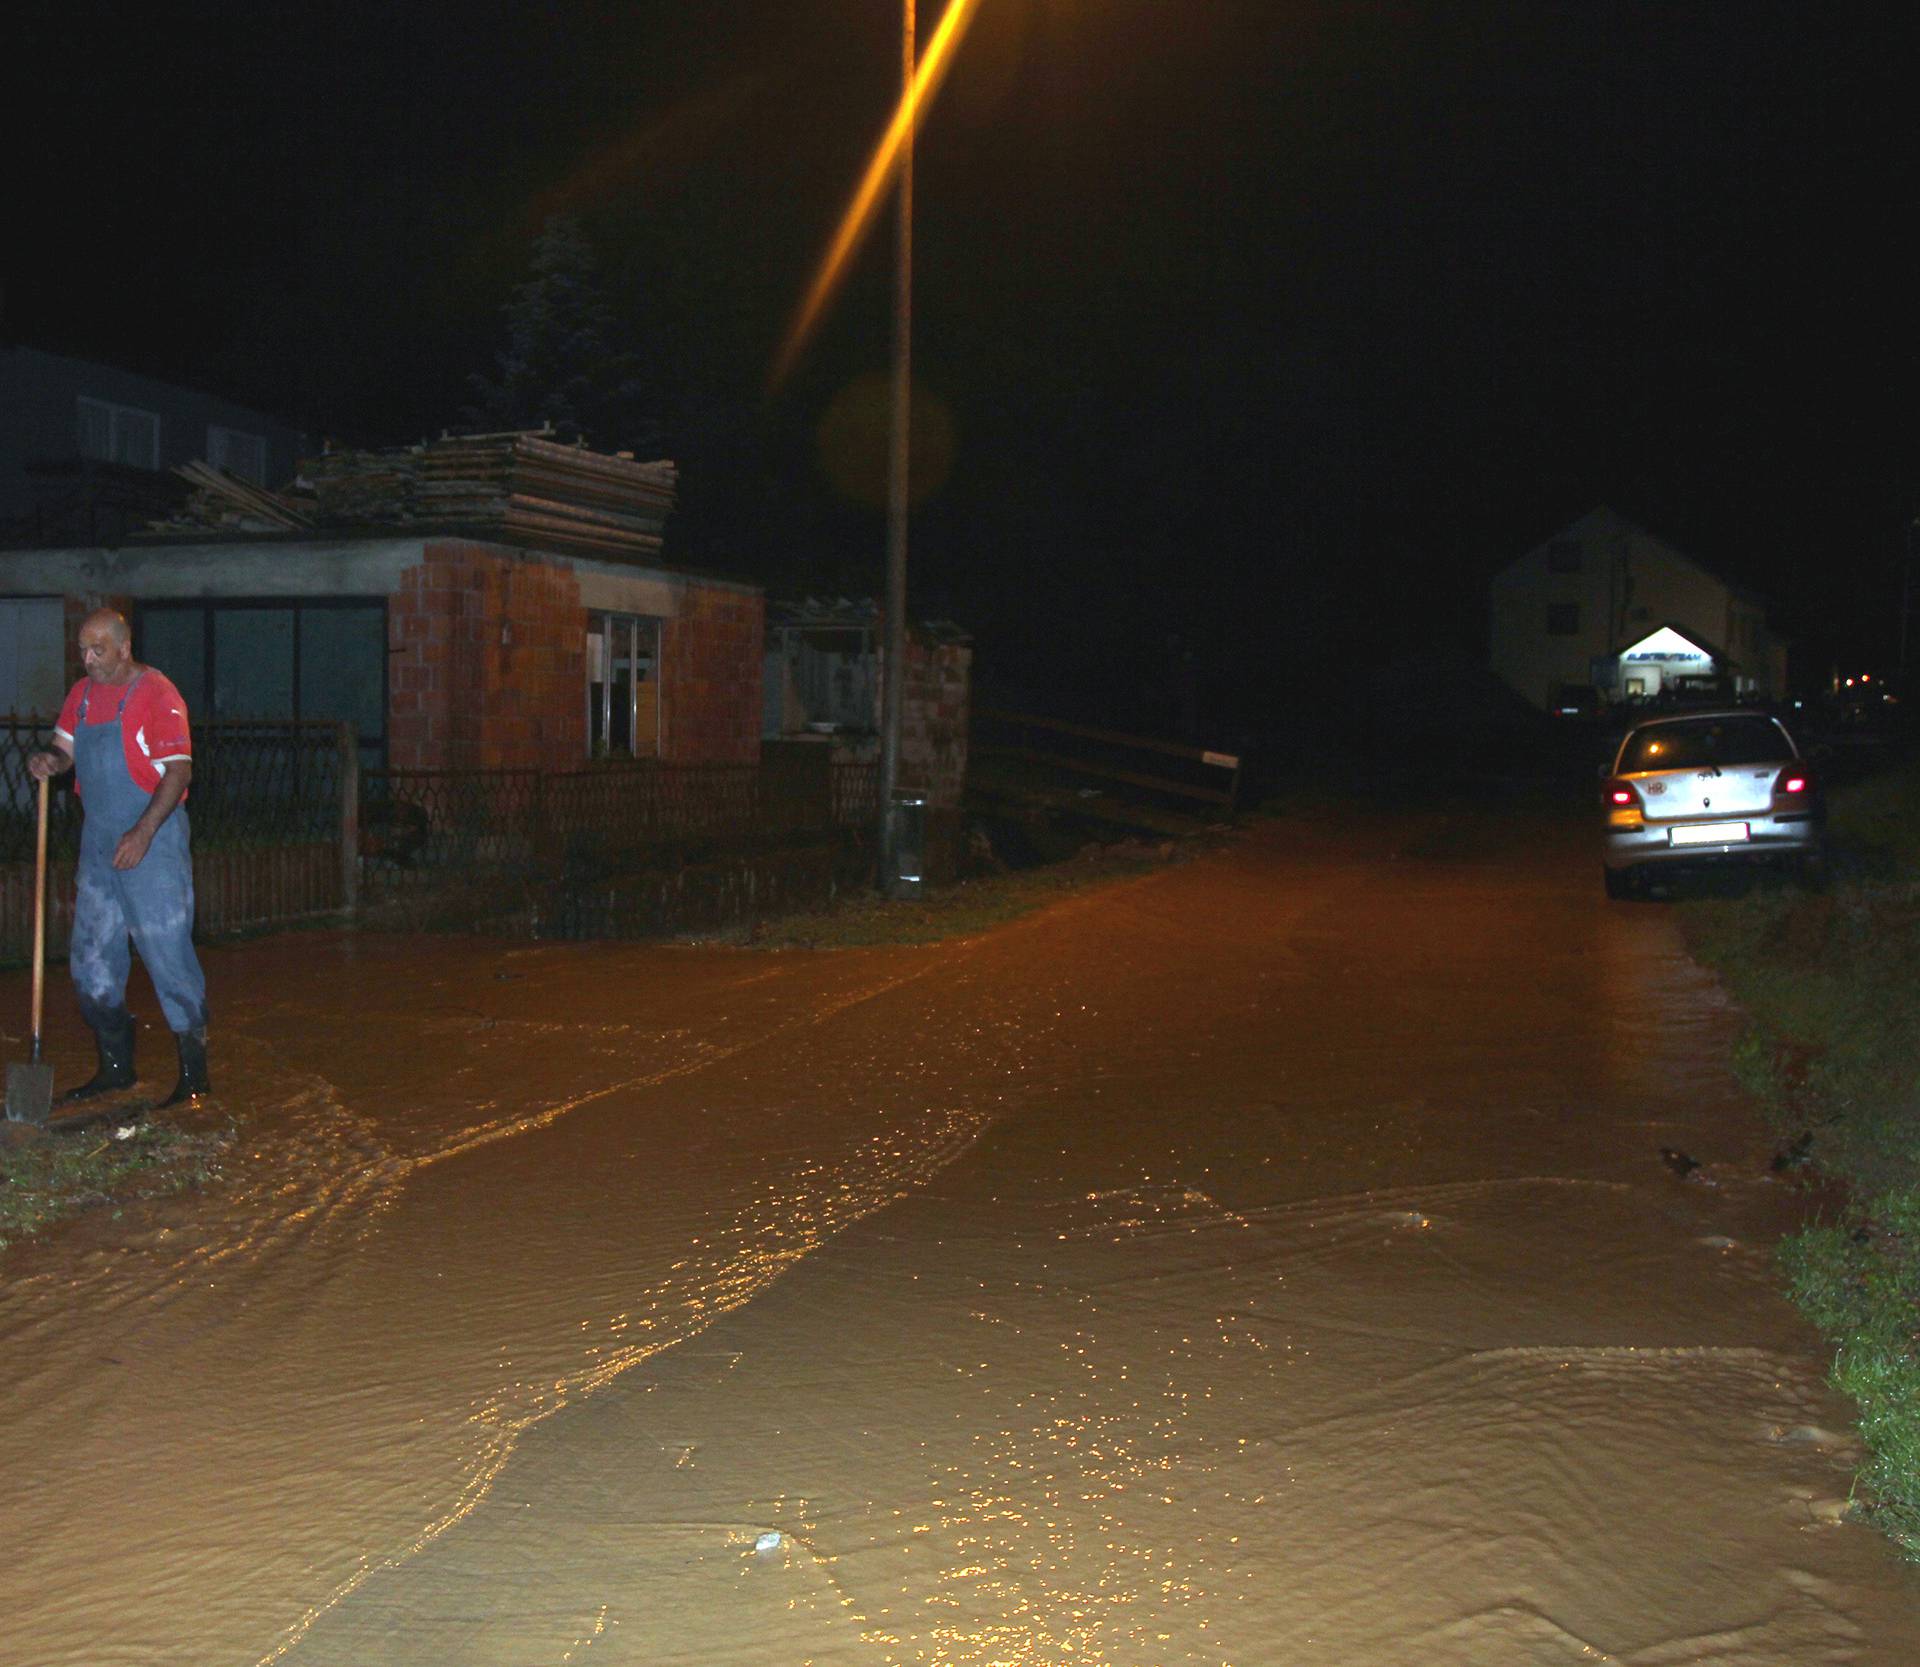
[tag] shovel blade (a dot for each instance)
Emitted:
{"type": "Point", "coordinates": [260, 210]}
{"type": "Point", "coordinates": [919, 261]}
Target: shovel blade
{"type": "Point", "coordinates": [29, 1093]}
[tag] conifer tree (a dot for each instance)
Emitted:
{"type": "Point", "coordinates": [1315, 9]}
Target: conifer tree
{"type": "Point", "coordinates": [567, 363]}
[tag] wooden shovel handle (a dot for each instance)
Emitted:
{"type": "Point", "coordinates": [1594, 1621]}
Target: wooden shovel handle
{"type": "Point", "coordinates": [39, 919]}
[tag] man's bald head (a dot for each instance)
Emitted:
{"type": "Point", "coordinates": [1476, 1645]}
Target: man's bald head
{"type": "Point", "coordinates": [106, 647]}
{"type": "Point", "coordinates": [110, 620]}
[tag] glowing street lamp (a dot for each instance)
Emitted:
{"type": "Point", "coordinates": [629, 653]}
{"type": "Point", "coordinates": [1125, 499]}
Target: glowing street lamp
{"type": "Point", "coordinates": [919, 77]}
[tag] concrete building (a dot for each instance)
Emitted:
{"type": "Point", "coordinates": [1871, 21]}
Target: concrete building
{"type": "Point", "coordinates": [1605, 607]}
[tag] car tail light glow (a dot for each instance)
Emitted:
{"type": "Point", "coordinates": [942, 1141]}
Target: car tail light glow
{"type": "Point", "coordinates": [1793, 781]}
{"type": "Point", "coordinates": [1623, 795]}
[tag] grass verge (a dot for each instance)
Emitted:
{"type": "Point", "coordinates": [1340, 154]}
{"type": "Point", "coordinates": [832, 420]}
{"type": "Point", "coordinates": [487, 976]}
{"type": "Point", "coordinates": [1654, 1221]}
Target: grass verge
{"type": "Point", "coordinates": [1859, 1281]}
{"type": "Point", "coordinates": [1832, 1050]}
{"type": "Point", "coordinates": [46, 1178]}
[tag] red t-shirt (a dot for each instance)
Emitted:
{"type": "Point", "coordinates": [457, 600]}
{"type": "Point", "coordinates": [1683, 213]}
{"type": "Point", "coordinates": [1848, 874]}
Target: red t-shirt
{"type": "Point", "coordinates": [153, 729]}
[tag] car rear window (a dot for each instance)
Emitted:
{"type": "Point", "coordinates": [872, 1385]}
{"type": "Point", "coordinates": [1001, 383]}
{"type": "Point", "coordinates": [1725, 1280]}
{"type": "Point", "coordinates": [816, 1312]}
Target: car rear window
{"type": "Point", "coordinates": [1681, 746]}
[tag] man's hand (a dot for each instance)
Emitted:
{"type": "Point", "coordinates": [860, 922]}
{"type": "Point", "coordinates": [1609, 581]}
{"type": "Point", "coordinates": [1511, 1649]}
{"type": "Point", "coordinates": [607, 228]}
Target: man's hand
{"type": "Point", "coordinates": [172, 789]}
{"type": "Point", "coordinates": [44, 766]}
{"type": "Point", "coordinates": [132, 847]}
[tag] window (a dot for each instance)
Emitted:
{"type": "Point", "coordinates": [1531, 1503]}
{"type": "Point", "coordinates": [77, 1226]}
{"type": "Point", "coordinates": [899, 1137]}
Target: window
{"type": "Point", "coordinates": [33, 635]}
{"type": "Point", "coordinates": [276, 659]}
{"type": "Point", "coordinates": [1564, 555]}
{"type": "Point", "coordinates": [111, 433]}
{"type": "Point", "coordinates": [623, 706]}
{"type": "Point", "coordinates": [1700, 743]}
{"type": "Point", "coordinates": [238, 452]}
{"type": "Point", "coordinates": [1563, 619]}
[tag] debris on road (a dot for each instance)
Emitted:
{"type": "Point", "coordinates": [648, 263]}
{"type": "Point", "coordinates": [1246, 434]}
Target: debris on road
{"type": "Point", "coordinates": [1678, 1161]}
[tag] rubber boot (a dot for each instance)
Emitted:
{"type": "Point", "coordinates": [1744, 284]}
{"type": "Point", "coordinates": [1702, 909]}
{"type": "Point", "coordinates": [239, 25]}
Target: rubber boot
{"type": "Point", "coordinates": [113, 1036]}
{"type": "Point", "coordinates": [193, 1067]}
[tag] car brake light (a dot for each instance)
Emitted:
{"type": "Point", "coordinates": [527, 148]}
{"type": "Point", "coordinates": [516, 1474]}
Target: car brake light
{"type": "Point", "coordinates": [1622, 793]}
{"type": "Point", "coordinates": [1792, 781]}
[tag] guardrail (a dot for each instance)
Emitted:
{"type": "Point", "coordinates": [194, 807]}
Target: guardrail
{"type": "Point", "coordinates": [1212, 777]}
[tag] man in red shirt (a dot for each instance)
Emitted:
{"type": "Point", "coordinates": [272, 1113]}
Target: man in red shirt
{"type": "Point", "coordinates": [124, 730]}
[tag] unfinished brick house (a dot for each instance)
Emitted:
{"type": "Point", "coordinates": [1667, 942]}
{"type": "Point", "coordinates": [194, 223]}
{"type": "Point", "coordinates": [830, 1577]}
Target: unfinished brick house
{"type": "Point", "coordinates": [479, 602]}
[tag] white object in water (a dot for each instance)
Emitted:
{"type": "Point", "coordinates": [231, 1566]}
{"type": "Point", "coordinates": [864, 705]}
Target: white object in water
{"type": "Point", "coordinates": [769, 1541]}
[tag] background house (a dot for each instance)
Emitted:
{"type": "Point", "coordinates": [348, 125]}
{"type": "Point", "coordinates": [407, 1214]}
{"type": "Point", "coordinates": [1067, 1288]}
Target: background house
{"type": "Point", "coordinates": [489, 603]}
{"type": "Point", "coordinates": [1586, 608]}
{"type": "Point", "coordinates": [87, 451]}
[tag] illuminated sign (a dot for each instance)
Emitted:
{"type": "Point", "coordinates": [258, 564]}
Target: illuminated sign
{"type": "Point", "coordinates": [1668, 646]}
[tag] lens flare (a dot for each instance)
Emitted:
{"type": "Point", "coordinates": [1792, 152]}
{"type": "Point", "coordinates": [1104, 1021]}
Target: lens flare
{"type": "Point", "coordinates": [880, 172]}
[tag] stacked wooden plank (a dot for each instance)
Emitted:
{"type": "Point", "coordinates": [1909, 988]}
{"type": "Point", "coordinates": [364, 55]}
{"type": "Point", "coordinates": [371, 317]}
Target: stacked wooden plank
{"type": "Point", "coordinates": [519, 486]}
{"type": "Point", "coordinates": [222, 503]}
{"type": "Point", "coordinates": [548, 492]}
{"type": "Point", "coordinates": [351, 487]}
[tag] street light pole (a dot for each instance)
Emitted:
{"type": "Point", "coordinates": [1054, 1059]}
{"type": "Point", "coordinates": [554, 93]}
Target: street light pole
{"type": "Point", "coordinates": [894, 624]}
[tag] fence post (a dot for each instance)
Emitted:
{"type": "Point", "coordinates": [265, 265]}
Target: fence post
{"type": "Point", "coordinates": [349, 744]}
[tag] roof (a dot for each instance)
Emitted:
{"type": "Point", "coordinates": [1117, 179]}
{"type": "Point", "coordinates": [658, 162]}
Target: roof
{"type": "Point", "coordinates": [853, 613]}
{"type": "Point", "coordinates": [1606, 517]}
{"type": "Point", "coordinates": [197, 558]}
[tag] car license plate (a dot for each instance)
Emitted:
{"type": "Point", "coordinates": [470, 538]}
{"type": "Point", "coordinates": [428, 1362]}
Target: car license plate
{"type": "Point", "coordinates": [1709, 833]}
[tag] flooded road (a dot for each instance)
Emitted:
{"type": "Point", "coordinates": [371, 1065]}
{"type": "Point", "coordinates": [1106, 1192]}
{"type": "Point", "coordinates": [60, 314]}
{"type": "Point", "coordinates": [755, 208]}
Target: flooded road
{"type": "Point", "coordinates": [1265, 1261]}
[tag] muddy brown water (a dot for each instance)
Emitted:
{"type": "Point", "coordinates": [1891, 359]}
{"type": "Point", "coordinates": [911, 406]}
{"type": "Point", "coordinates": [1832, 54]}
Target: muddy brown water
{"type": "Point", "coordinates": [1266, 1261]}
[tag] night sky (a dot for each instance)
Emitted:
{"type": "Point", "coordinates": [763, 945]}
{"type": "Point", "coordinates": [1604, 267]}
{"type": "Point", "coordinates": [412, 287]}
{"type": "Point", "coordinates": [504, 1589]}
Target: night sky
{"type": "Point", "coordinates": [1260, 330]}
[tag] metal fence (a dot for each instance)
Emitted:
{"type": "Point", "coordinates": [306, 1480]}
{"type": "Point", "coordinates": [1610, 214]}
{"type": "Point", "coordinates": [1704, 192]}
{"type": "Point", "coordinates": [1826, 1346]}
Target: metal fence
{"type": "Point", "coordinates": [418, 828]}
{"type": "Point", "coordinates": [286, 826]}
{"type": "Point", "coordinates": [20, 737]}
{"type": "Point", "coordinates": [269, 782]}
{"type": "Point", "coordinates": [267, 806]}
{"type": "Point", "coordinates": [855, 793]}
{"type": "Point", "coordinates": [253, 783]}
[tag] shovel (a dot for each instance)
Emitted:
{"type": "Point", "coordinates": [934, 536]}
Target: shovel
{"type": "Point", "coordinates": [30, 1086]}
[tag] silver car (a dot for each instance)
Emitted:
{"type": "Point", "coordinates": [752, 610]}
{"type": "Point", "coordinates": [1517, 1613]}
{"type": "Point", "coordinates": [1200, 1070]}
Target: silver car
{"type": "Point", "coordinates": [1703, 787]}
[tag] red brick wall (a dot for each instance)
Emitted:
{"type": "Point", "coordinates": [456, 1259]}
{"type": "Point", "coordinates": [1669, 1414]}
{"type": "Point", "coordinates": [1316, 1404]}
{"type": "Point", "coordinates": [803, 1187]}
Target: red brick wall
{"type": "Point", "coordinates": [488, 666]}
{"type": "Point", "coordinates": [488, 662]}
{"type": "Point", "coordinates": [710, 669]}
